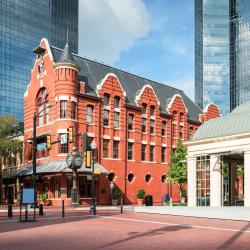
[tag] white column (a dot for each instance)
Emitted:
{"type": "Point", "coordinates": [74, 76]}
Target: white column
{"type": "Point", "coordinates": [191, 169]}
{"type": "Point", "coordinates": [215, 182]}
{"type": "Point", "coordinates": [247, 178]}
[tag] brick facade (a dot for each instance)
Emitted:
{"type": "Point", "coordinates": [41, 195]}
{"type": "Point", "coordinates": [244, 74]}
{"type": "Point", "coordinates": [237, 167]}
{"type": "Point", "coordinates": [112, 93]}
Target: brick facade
{"type": "Point", "coordinates": [59, 82]}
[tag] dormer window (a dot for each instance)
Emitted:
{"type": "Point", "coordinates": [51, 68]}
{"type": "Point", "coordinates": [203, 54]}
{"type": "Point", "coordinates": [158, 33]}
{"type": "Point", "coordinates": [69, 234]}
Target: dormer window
{"type": "Point", "coordinates": [116, 102]}
{"type": "Point", "coordinates": [106, 100]}
{"type": "Point", "coordinates": [130, 122]}
{"type": "Point", "coordinates": [144, 108]}
{"type": "Point", "coordinates": [152, 110]}
{"type": "Point", "coordinates": [40, 65]}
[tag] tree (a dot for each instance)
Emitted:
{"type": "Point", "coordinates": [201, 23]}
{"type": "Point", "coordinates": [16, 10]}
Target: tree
{"type": "Point", "coordinates": [177, 173]}
{"type": "Point", "coordinates": [10, 145]}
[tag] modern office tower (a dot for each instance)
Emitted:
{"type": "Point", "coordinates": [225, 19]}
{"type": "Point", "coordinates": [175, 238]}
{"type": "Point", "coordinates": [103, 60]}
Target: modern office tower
{"type": "Point", "coordinates": [239, 52]}
{"type": "Point", "coordinates": [22, 24]}
{"type": "Point", "coordinates": [212, 49]}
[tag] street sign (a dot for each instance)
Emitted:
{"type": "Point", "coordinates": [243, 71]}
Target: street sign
{"type": "Point", "coordinates": [28, 196]}
{"type": "Point", "coordinates": [64, 138]}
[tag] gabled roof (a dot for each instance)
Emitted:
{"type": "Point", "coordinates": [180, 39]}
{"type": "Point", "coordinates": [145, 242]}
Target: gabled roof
{"type": "Point", "coordinates": [234, 123]}
{"type": "Point", "coordinates": [93, 72]}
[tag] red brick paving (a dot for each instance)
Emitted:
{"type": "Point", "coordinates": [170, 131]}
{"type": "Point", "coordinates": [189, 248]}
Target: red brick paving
{"type": "Point", "coordinates": [111, 230]}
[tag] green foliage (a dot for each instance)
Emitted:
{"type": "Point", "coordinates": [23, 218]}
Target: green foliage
{"type": "Point", "coordinates": [177, 173]}
{"type": "Point", "coordinates": [10, 127]}
{"type": "Point", "coordinates": [140, 194]}
{"type": "Point", "coordinates": [116, 193]}
{"type": "Point", "coordinates": [43, 196]}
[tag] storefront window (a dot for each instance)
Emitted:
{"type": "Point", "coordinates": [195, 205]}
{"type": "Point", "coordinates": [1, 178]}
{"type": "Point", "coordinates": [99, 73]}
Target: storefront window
{"type": "Point", "coordinates": [84, 187]}
{"type": "Point", "coordinates": [203, 180]}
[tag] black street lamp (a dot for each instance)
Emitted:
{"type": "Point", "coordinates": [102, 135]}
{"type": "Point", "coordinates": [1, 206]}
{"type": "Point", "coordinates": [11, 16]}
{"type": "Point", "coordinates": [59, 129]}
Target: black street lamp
{"type": "Point", "coordinates": [34, 156]}
{"type": "Point", "coordinates": [93, 148]}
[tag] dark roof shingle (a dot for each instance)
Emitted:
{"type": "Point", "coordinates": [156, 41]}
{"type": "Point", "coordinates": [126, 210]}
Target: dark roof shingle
{"type": "Point", "coordinates": [93, 72]}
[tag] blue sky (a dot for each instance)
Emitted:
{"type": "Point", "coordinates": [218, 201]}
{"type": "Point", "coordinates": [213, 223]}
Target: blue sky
{"type": "Point", "coordinates": [151, 38]}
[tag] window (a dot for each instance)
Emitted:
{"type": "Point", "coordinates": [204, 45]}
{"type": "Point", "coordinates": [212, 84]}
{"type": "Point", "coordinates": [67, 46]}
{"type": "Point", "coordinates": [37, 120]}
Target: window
{"type": "Point", "coordinates": [105, 148]}
{"type": "Point", "coordinates": [152, 110]}
{"type": "Point", "coordinates": [73, 110]}
{"type": "Point", "coordinates": [163, 128]}
{"type": "Point", "coordinates": [130, 150]}
{"type": "Point", "coordinates": [190, 133]}
{"type": "Point", "coordinates": [152, 153]}
{"type": "Point", "coordinates": [116, 119]}
{"type": "Point", "coordinates": [111, 177]}
{"type": "Point", "coordinates": [130, 177]}
{"type": "Point", "coordinates": [64, 147]}
{"type": "Point", "coordinates": [147, 177]}
{"type": "Point", "coordinates": [116, 149]}
{"type": "Point", "coordinates": [90, 114]}
{"type": "Point", "coordinates": [63, 106]}
{"type": "Point", "coordinates": [106, 100]}
{"type": "Point", "coordinates": [152, 124]}
{"type": "Point", "coordinates": [163, 178]}
{"type": "Point", "coordinates": [130, 121]}
{"type": "Point", "coordinates": [203, 180]}
{"type": "Point", "coordinates": [105, 117]}
{"type": "Point", "coordinates": [40, 112]}
{"type": "Point", "coordinates": [180, 131]}
{"type": "Point", "coordinates": [116, 102]}
{"type": "Point", "coordinates": [163, 154]}
{"type": "Point", "coordinates": [144, 108]}
{"type": "Point", "coordinates": [143, 125]}
{"type": "Point", "coordinates": [143, 152]}
{"type": "Point", "coordinates": [43, 107]}
{"type": "Point", "coordinates": [47, 112]}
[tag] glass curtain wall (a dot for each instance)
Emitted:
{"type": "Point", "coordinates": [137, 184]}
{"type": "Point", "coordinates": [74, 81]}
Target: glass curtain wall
{"type": "Point", "coordinates": [212, 53]}
{"type": "Point", "coordinates": [22, 25]}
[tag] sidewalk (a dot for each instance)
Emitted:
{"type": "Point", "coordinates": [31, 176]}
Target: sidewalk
{"type": "Point", "coordinates": [228, 213]}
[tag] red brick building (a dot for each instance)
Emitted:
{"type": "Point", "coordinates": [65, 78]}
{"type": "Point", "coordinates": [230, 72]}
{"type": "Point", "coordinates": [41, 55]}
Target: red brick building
{"type": "Point", "coordinates": [134, 121]}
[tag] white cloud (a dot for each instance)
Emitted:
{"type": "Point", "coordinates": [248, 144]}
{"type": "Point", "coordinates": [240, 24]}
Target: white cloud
{"type": "Point", "coordinates": [107, 27]}
{"type": "Point", "coordinates": [186, 84]}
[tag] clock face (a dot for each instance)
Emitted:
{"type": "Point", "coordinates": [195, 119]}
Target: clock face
{"type": "Point", "coordinates": [69, 160]}
{"type": "Point", "coordinates": [78, 161]}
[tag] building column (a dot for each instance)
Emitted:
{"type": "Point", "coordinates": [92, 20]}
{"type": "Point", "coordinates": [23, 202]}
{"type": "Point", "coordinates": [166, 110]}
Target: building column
{"type": "Point", "coordinates": [215, 182]}
{"type": "Point", "coordinates": [191, 170]}
{"type": "Point", "coordinates": [247, 178]}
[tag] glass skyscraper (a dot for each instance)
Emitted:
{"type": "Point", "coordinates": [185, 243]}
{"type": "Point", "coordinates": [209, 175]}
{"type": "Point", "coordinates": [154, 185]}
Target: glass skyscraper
{"type": "Point", "coordinates": [222, 53]}
{"type": "Point", "coordinates": [212, 82]}
{"type": "Point", "coordinates": [22, 24]}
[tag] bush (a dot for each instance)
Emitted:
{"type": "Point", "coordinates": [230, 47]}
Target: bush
{"type": "Point", "coordinates": [43, 196]}
{"type": "Point", "coordinates": [140, 194]}
{"type": "Point", "coordinates": [183, 192]}
{"type": "Point", "coordinates": [116, 193]}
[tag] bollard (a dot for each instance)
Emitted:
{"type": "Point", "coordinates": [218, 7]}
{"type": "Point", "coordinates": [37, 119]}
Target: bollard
{"type": "Point", "coordinates": [121, 205]}
{"type": "Point", "coordinates": [26, 212]}
{"type": "Point", "coordinates": [41, 209]}
{"type": "Point", "coordinates": [63, 214]}
{"type": "Point", "coordinates": [10, 211]}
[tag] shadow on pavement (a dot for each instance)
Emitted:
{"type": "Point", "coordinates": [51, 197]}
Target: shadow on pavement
{"type": "Point", "coordinates": [49, 219]}
{"type": "Point", "coordinates": [234, 238]}
{"type": "Point", "coordinates": [154, 232]}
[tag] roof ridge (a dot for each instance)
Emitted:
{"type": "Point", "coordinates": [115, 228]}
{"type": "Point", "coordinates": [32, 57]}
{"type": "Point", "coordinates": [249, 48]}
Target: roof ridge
{"type": "Point", "coordinates": [122, 70]}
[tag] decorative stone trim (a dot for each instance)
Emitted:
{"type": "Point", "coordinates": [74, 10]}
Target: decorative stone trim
{"type": "Point", "coordinates": [63, 98]}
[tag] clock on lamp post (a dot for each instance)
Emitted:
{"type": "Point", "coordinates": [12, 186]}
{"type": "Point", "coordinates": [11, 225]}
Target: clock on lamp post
{"type": "Point", "coordinates": [74, 161]}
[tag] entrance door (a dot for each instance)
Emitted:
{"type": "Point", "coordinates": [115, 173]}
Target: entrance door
{"type": "Point", "coordinates": [233, 183]}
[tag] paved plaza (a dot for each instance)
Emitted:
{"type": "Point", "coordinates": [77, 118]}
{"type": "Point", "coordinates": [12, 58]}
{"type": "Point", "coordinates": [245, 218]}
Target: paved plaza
{"type": "Point", "coordinates": [130, 230]}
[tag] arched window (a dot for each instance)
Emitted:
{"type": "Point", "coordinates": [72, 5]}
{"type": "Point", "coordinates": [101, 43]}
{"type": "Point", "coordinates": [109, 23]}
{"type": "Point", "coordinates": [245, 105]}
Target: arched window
{"type": "Point", "coordinates": [43, 107]}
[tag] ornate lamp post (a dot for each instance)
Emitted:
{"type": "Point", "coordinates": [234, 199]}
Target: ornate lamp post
{"type": "Point", "coordinates": [93, 148]}
{"type": "Point", "coordinates": [74, 161]}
